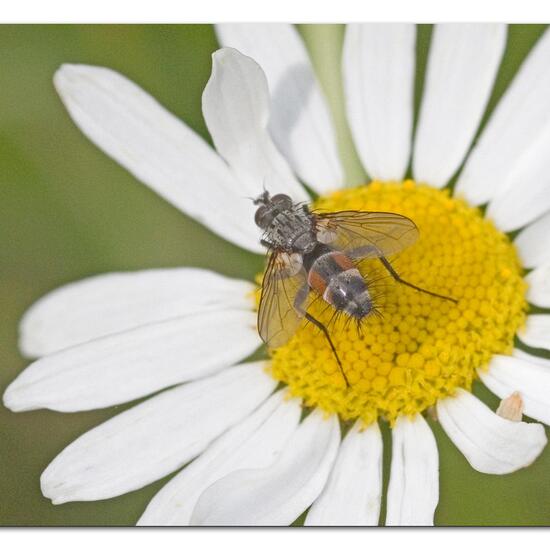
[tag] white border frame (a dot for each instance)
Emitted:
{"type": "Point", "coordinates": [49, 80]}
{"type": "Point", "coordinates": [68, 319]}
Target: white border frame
{"type": "Point", "coordinates": [304, 11]}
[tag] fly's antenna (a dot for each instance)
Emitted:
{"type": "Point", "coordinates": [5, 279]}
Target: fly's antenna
{"type": "Point", "coordinates": [262, 198]}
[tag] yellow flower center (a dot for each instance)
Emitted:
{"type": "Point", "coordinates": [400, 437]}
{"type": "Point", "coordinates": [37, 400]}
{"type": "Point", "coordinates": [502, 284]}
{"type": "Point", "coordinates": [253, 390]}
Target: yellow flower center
{"type": "Point", "coordinates": [421, 348]}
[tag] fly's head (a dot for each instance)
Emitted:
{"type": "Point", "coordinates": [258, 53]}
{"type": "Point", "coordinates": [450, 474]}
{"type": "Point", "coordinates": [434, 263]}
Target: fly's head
{"type": "Point", "coordinates": [269, 207]}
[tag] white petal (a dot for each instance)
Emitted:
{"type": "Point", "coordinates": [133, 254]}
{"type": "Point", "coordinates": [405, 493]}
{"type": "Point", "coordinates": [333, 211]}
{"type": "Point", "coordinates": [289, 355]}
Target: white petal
{"type": "Point", "coordinates": [116, 302]}
{"type": "Point", "coordinates": [509, 374]}
{"type": "Point", "coordinates": [235, 105]}
{"type": "Point", "coordinates": [378, 69]}
{"type": "Point", "coordinates": [539, 286]}
{"type": "Point", "coordinates": [278, 494]}
{"type": "Point", "coordinates": [462, 66]}
{"type": "Point", "coordinates": [354, 489]}
{"type": "Point", "coordinates": [413, 490]}
{"type": "Point", "coordinates": [525, 194]}
{"type": "Point", "coordinates": [536, 332]}
{"type": "Point", "coordinates": [118, 368]}
{"type": "Point", "coordinates": [531, 358]}
{"type": "Point", "coordinates": [254, 443]}
{"type": "Point", "coordinates": [516, 126]}
{"type": "Point", "coordinates": [532, 243]}
{"type": "Point", "coordinates": [157, 148]}
{"type": "Point", "coordinates": [154, 438]}
{"type": "Point", "coordinates": [300, 120]}
{"type": "Point", "coordinates": [491, 444]}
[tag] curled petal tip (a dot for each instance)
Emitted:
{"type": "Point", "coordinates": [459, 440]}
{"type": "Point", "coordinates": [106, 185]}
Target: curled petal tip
{"type": "Point", "coordinates": [511, 408]}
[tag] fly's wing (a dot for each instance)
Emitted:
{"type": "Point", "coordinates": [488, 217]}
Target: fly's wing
{"type": "Point", "coordinates": [281, 302]}
{"type": "Point", "coordinates": [367, 234]}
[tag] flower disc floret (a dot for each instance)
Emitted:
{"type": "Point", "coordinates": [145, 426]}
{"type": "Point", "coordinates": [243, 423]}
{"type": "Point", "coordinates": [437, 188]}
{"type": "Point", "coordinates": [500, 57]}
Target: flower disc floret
{"type": "Point", "coordinates": [419, 348]}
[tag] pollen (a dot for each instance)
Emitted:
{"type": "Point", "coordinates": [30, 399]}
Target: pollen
{"type": "Point", "coordinates": [414, 348]}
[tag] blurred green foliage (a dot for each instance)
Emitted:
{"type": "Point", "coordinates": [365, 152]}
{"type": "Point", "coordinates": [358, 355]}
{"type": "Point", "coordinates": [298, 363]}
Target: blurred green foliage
{"type": "Point", "coordinates": [68, 211]}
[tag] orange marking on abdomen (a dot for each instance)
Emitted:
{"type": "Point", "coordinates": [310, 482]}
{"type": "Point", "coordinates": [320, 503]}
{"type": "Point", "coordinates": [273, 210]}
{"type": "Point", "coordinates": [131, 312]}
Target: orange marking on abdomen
{"type": "Point", "coordinates": [316, 281]}
{"type": "Point", "coordinates": [342, 260]}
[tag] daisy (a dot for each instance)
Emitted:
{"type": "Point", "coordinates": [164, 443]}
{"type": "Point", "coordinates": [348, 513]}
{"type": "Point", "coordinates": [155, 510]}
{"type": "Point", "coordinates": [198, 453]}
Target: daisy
{"type": "Point", "coordinates": [255, 460]}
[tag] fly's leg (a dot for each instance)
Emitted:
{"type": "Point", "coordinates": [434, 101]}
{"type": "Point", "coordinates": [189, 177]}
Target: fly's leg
{"type": "Point", "coordinates": [363, 252]}
{"type": "Point", "coordinates": [301, 297]}
{"type": "Point", "coordinates": [397, 277]}
{"type": "Point", "coordinates": [320, 325]}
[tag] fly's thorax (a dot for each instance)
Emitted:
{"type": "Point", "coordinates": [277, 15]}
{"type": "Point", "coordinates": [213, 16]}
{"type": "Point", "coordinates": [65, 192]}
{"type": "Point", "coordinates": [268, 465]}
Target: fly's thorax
{"type": "Point", "coordinates": [292, 230]}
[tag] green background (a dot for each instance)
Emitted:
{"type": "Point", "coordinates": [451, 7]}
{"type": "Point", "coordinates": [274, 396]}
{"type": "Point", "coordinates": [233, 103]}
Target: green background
{"type": "Point", "coordinates": [68, 211]}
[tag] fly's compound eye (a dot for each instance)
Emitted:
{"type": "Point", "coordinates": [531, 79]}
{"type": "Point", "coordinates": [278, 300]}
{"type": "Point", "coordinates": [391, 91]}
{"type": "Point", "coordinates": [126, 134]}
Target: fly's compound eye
{"type": "Point", "coordinates": [282, 201]}
{"type": "Point", "coordinates": [262, 216]}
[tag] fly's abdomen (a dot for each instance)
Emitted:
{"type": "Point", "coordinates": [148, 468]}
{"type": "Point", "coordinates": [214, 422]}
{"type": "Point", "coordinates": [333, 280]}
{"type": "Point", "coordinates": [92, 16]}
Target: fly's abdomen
{"type": "Point", "coordinates": [334, 276]}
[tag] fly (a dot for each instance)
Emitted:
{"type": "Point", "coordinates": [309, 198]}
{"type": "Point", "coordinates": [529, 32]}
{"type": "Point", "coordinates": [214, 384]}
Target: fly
{"type": "Point", "coordinates": [318, 252]}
